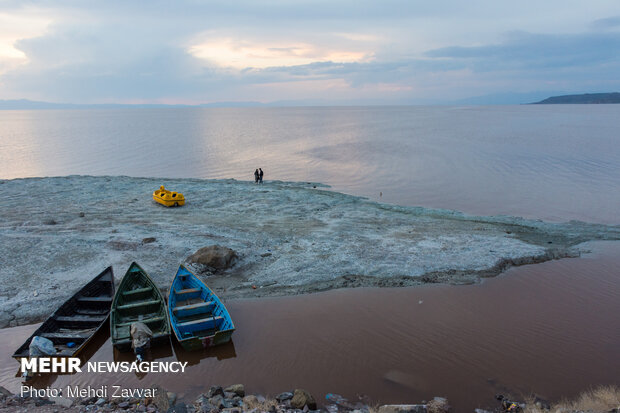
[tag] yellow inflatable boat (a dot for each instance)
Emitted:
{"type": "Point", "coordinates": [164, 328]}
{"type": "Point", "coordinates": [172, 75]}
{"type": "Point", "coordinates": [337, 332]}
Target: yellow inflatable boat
{"type": "Point", "coordinates": [168, 198]}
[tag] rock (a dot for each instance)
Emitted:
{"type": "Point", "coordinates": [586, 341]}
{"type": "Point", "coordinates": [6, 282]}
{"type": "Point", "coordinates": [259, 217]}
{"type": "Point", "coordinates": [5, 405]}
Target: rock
{"type": "Point", "coordinates": [89, 400]}
{"type": "Point", "coordinates": [207, 407]}
{"type": "Point", "coordinates": [238, 389]}
{"type": "Point", "coordinates": [250, 401]}
{"type": "Point", "coordinates": [403, 408]}
{"type": "Point", "coordinates": [229, 395]}
{"type": "Point", "coordinates": [302, 398]}
{"type": "Point", "coordinates": [214, 391]}
{"type": "Point", "coordinates": [266, 254]}
{"type": "Point", "coordinates": [482, 411]}
{"type": "Point", "coordinates": [81, 214]}
{"type": "Point", "coordinates": [161, 400]}
{"type": "Point", "coordinates": [287, 395]}
{"type": "Point", "coordinates": [172, 398]}
{"type": "Point", "coordinates": [219, 402]}
{"type": "Point", "coordinates": [100, 402]}
{"type": "Point", "coordinates": [62, 401]}
{"type": "Point", "coordinates": [438, 405]}
{"type": "Point", "coordinates": [214, 256]}
{"type": "Point", "coordinates": [178, 408]}
{"type": "Point", "coordinates": [123, 405]}
{"type": "Point", "coordinates": [49, 222]}
{"type": "Point", "coordinates": [261, 398]}
{"type": "Point", "coordinates": [148, 240]}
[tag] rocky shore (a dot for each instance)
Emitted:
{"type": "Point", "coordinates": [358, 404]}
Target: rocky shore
{"type": "Point", "coordinates": [233, 399]}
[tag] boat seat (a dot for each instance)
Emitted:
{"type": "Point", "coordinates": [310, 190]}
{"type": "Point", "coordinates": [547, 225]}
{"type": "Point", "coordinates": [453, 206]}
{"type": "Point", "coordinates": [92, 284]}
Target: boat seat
{"type": "Point", "coordinates": [137, 291]}
{"type": "Point", "coordinates": [145, 321]}
{"type": "Point", "coordinates": [201, 323]}
{"type": "Point", "coordinates": [80, 319]}
{"type": "Point", "coordinates": [100, 299]}
{"type": "Point", "coordinates": [187, 291]}
{"type": "Point", "coordinates": [138, 304]}
{"type": "Point", "coordinates": [205, 306]}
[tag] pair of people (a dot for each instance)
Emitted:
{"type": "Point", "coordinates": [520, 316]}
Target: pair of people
{"type": "Point", "coordinates": [258, 176]}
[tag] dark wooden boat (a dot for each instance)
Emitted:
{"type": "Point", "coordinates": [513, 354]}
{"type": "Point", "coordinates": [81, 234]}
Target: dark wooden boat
{"type": "Point", "coordinates": [138, 299]}
{"type": "Point", "coordinates": [72, 326]}
{"type": "Point", "coordinates": [198, 317]}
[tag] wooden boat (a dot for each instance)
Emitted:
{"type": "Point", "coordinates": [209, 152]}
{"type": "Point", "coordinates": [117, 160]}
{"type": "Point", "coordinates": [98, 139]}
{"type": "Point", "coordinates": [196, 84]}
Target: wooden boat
{"type": "Point", "coordinates": [168, 198]}
{"type": "Point", "coordinates": [75, 322]}
{"type": "Point", "coordinates": [138, 299]}
{"type": "Point", "coordinates": [197, 316]}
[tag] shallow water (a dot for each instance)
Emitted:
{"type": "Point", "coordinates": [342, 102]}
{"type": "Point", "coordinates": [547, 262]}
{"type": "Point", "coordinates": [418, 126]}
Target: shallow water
{"type": "Point", "coordinates": [553, 162]}
{"type": "Point", "coordinates": [550, 328]}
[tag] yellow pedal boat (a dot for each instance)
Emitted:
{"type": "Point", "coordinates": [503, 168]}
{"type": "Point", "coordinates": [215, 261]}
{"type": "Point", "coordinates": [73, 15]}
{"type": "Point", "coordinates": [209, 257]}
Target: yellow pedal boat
{"type": "Point", "coordinates": [168, 198]}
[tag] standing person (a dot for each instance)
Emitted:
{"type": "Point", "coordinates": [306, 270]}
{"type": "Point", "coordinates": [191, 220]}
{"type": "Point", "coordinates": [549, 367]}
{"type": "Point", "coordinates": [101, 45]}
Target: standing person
{"type": "Point", "coordinates": [260, 175]}
{"type": "Point", "coordinates": [256, 176]}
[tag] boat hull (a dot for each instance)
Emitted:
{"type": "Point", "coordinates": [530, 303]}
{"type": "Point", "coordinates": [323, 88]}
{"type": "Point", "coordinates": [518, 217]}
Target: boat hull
{"type": "Point", "coordinates": [198, 318]}
{"type": "Point", "coordinates": [168, 198]}
{"type": "Point", "coordinates": [78, 319]}
{"type": "Point", "coordinates": [138, 299]}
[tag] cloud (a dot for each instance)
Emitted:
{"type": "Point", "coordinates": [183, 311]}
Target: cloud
{"type": "Point", "coordinates": [606, 23]}
{"type": "Point", "coordinates": [243, 54]}
{"type": "Point", "coordinates": [193, 51]}
{"type": "Point", "coordinates": [532, 51]}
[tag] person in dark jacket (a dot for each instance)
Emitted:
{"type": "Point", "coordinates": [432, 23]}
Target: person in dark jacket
{"type": "Point", "coordinates": [260, 175]}
{"type": "Point", "coordinates": [256, 176]}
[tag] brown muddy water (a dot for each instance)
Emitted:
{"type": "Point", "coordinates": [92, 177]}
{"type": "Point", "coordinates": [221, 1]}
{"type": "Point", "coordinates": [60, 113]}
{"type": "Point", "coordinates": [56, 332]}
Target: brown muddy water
{"type": "Point", "coordinates": [551, 328]}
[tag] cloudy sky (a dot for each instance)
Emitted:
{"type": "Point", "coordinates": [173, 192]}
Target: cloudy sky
{"type": "Point", "coordinates": [190, 51]}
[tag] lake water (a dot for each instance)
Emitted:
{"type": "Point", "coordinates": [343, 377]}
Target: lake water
{"type": "Point", "coordinates": [556, 162]}
{"type": "Point", "coordinates": [550, 328]}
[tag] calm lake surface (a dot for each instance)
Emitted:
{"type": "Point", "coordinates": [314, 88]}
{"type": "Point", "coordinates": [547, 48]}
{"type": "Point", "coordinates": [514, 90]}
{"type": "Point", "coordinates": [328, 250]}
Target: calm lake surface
{"type": "Point", "coordinates": [551, 328]}
{"type": "Point", "coordinates": [553, 162]}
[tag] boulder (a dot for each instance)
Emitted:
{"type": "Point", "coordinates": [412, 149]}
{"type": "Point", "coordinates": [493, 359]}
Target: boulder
{"type": "Point", "coordinates": [302, 398]}
{"type": "Point", "coordinates": [238, 389]}
{"type": "Point", "coordinates": [287, 395]}
{"type": "Point", "coordinates": [214, 256]}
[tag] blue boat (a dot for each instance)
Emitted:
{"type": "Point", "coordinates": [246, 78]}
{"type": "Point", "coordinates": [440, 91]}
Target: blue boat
{"type": "Point", "coordinates": [197, 316]}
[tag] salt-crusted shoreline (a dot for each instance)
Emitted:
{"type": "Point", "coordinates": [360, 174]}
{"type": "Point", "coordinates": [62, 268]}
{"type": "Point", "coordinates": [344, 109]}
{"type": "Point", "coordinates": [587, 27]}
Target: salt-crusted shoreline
{"type": "Point", "coordinates": [291, 238]}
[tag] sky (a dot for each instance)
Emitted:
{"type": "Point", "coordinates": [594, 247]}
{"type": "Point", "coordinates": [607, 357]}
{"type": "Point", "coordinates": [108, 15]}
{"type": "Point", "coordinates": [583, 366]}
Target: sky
{"type": "Point", "coordinates": [339, 52]}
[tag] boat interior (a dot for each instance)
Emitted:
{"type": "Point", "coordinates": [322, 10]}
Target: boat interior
{"type": "Point", "coordinates": [138, 300]}
{"type": "Point", "coordinates": [78, 319]}
{"type": "Point", "coordinates": [194, 309]}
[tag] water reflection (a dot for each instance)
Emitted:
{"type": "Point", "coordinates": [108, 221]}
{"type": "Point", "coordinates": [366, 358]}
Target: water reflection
{"type": "Point", "coordinates": [221, 352]}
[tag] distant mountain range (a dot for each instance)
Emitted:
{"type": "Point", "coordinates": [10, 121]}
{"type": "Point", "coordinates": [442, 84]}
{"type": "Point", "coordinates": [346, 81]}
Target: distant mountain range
{"type": "Point", "coordinates": [593, 98]}
{"type": "Point", "coordinates": [31, 104]}
{"type": "Point", "coordinates": [493, 99]}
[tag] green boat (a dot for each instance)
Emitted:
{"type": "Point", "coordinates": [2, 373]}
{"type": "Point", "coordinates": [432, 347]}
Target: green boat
{"type": "Point", "coordinates": [138, 299]}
